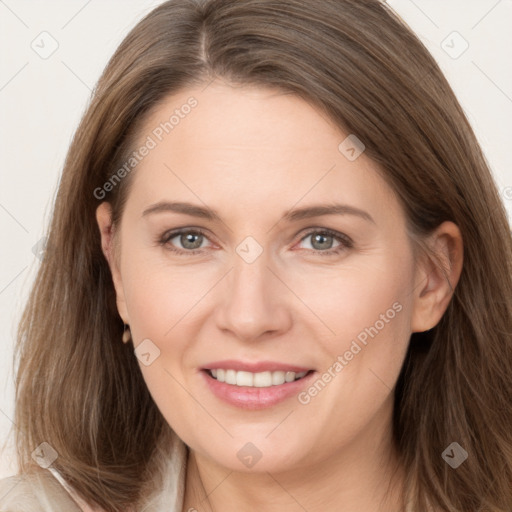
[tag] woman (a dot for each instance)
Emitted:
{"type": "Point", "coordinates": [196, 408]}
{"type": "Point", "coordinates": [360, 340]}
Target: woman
{"type": "Point", "coordinates": [281, 210]}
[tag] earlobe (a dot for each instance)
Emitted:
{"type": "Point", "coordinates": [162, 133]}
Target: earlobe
{"type": "Point", "coordinates": [437, 277]}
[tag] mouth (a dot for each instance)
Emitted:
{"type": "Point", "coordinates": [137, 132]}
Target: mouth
{"type": "Point", "coordinates": [266, 386]}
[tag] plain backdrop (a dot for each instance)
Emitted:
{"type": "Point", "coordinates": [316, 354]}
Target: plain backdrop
{"type": "Point", "coordinates": [53, 52]}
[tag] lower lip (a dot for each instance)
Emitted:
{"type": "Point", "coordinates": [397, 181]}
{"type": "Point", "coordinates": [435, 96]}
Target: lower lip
{"type": "Point", "coordinates": [246, 397]}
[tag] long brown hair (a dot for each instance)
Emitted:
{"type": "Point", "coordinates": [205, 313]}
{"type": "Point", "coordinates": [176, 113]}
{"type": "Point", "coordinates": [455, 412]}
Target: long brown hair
{"type": "Point", "coordinates": [80, 389]}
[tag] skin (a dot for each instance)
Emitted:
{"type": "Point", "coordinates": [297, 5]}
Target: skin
{"type": "Point", "coordinates": [251, 154]}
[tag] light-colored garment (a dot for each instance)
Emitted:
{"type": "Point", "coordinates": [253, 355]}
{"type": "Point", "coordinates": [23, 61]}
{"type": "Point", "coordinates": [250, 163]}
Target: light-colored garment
{"type": "Point", "coordinates": [46, 491]}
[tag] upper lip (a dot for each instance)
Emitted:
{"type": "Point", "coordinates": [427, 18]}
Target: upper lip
{"type": "Point", "coordinates": [255, 367]}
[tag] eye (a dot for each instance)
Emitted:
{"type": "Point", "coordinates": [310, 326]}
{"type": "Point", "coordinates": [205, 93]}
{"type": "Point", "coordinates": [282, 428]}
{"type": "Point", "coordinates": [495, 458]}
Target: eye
{"type": "Point", "coordinates": [322, 241]}
{"type": "Point", "coordinates": [191, 240]}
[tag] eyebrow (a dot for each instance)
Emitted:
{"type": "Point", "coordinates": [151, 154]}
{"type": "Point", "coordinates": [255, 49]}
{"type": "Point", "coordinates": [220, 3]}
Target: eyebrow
{"type": "Point", "coordinates": [293, 215]}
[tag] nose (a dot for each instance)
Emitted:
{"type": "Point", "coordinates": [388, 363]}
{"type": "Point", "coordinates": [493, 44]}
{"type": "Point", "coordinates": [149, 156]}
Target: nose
{"type": "Point", "coordinates": [255, 302]}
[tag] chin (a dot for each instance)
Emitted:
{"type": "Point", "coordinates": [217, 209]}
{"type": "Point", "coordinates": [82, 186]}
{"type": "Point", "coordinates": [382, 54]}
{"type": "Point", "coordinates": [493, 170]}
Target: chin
{"type": "Point", "coordinates": [254, 454]}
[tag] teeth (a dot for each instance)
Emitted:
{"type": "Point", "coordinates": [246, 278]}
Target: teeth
{"type": "Point", "coordinates": [258, 380]}
{"type": "Point", "coordinates": [230, 377]}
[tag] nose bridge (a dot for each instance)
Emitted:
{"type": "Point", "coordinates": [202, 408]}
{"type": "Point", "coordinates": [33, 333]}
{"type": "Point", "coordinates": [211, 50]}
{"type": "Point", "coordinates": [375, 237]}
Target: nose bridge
{"type": "Point", "coordinates": [253, 304]}
{"type": "Point", "coordinates": [250, 287]}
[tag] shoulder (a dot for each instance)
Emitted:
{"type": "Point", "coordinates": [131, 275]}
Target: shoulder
{"type": "Point", "coordinates": [35, 492]}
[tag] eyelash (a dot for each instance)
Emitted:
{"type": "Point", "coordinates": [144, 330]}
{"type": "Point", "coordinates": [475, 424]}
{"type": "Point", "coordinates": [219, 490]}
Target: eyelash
{"type": "Point", "coordinates": [345, 241]}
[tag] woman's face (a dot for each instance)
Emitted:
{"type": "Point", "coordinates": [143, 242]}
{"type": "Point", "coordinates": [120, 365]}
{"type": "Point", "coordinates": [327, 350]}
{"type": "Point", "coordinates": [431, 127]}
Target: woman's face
{"type": "Point", "coordinates": [293, 258]}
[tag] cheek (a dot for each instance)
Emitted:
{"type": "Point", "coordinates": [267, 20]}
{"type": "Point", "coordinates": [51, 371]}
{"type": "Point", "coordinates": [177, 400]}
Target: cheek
{"type": "Point", "coordinates": [367, 306]}
{"type": "Point", "coordinates": [356, 297]}
{"type": "Point", "coordinates": [159, 296]}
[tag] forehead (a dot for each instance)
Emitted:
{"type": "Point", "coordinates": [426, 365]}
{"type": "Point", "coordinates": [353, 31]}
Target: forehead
{"type": "Point", "coordinates": [250, 146]}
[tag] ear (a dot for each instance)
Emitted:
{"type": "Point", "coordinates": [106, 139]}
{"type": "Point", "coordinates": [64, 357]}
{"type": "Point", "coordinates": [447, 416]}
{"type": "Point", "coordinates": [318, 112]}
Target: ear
{"type": "Point", "coordinates": [109, 248]}
{"type": "Point", "coordinates": [435, 284]}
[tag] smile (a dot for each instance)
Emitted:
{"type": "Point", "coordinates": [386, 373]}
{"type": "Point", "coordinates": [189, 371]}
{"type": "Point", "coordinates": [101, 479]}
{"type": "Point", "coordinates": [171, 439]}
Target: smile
{"type": "Point", "coordinates": [266, 385]}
